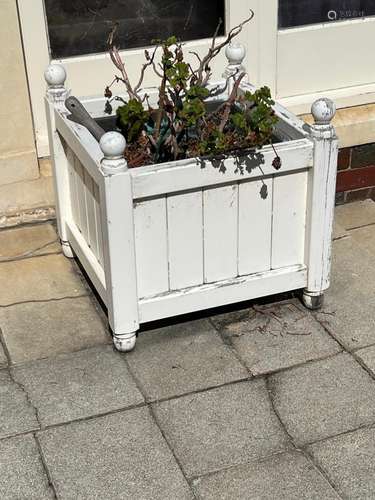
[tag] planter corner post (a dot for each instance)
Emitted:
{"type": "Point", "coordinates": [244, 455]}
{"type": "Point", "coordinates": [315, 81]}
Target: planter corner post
{"type": "Point", "coordinates": [119, 252]}
{"type": "Point", "coordinates": [322, 202]}
{"type": "Point", "coordinates": [55, 76]}
{"type": "Point", "coordinates": [235, 54]}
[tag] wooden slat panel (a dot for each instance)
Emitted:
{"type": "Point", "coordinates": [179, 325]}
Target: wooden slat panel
{"type": "Point", "coordinates": [90, 207]}
{"type": "Point", "coordinates": [98, 223]}
{"type": "Point", "coordinates": [89, 260]}
{"type": "Point", "coordinates": [183, 175]}
{"type": "Point", "coordinates": [80, 185]}
{"type": "Point", "coordinates": [222, 293]}
{"type": "Point", "coordinates": [255, 220]}
{"type": "Point", "coordinates": [289, 219]}
{"type": "Point", "coordinates": [220, 210]}
{"type": "Point", "coordinates": [73, 188]}
{"type": "Point", "coordinates": [150, 219]}
{"type": "Point", "coordinates": [185, 239]}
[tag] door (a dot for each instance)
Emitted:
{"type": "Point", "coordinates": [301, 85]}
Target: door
{"type": "Point", "coordinates": [74, 32]}
{"type": "Point", "coordinates": [321, 47]}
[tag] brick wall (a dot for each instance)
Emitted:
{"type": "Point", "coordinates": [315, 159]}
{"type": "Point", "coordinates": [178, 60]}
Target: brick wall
{"type": "Point", "coordinates": [356, 174]}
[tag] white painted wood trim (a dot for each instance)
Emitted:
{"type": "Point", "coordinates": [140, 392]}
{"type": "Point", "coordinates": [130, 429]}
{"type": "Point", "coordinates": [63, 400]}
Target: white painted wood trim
{"type": "Point", "coordinates": [315, 58]}
{"type": "Point", "coordinates": [88, 260]}
{"type": "Point", "coordinates": [268, 31]}
{"type": "Point", "coordinates": [188, 174]}
{"type": "Point", "coordinates": [119, 252]}
{"type": "Point", "coordinates": [84, 145]}
{"type": "Point", "coordinates": [222, 293]}
{"type": "Point", "coordinates": [60, 172]}
{"type": "Point", "coordinates": [322, 186]}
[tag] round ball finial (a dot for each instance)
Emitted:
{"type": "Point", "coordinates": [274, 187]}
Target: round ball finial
{"type": "Point", "coordinates": [235, 53]}
{"type": "Point", "coordinates": [113, 145]}
{"type": "Point", "coordinates": [55, 75]}
{"type": "Point", "coordinates": [323, 111]}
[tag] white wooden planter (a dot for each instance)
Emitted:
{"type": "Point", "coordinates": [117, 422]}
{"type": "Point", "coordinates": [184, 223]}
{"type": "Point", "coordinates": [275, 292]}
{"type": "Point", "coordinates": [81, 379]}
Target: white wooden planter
{"type": "Point", "coordinates": [163, 240]}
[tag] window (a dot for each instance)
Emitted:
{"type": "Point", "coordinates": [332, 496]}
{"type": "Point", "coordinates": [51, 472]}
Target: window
{"type": "Point", "coordinates": [304, 12]}
{"type": "Point", "coordinates": [81, 27]}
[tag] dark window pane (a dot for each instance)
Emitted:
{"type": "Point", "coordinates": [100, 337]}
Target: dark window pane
{"type": "Point", "coordinates": [302, 12]}
{"type": "Point", "coordinates": [79, 27]}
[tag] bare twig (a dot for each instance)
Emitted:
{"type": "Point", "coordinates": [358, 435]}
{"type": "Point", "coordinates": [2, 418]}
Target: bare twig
{"type": "Point", "coordinates": [150, 62]}
{"type": "Point", "coordinates": [214, 50]}
{"type": "Point", "coordinates": [118, 62]}
{"type": "Point", "coordinates": [229, 103]}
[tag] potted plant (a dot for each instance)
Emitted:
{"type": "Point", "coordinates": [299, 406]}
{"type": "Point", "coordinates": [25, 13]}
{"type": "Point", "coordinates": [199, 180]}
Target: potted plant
{"type": "Point", "coordinates": [207, 193]}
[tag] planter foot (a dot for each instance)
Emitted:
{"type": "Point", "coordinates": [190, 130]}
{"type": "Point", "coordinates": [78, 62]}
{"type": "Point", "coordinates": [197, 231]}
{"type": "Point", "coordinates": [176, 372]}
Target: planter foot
{"type": "Point", "coordinates": [312, 300]}
{"type": "Point", "coordinates": [67, 249]}
{"type": "Point", "coordinates": [125, 342]}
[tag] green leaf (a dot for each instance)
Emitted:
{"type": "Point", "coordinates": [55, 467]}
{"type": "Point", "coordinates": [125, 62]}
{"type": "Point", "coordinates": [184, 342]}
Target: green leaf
{"type": "Point", "coordinates": [131, 119]}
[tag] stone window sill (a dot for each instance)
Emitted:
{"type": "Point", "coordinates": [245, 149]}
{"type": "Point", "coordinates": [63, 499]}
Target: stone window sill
{"type": "Point", "coordinates": [354, 125]}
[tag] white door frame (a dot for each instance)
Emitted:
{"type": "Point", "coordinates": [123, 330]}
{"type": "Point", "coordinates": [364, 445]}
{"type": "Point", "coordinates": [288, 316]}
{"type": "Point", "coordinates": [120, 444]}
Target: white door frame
{"type": "Point", "coordinates": [37, 56]}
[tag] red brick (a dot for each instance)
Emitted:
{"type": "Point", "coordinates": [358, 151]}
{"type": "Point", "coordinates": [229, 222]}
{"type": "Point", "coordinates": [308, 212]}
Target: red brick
{"type": "Point", "coordinates": [363, 156]}
{"type": "Point", "coordinates": [348, 180]}
{"type": "Point", "coordinates": [344, 158]}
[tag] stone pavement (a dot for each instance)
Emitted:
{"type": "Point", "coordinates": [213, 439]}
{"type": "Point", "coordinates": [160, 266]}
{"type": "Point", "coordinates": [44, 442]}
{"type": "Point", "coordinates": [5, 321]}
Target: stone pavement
{"type": "Point", "coordinates": [262, 401]}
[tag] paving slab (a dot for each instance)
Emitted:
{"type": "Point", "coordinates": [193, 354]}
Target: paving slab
{"type": "Point", "coordinates": [365, 238]}
{"type": "Point", "coordinates": [42, 329]}
{"type": "Point", "coordinates": [348, 310]}
{"type": "Point", "coordinates": [28, 241]}
{"type": "Point", "coordinates": [39, 278]}
{"type": "Point", "coordinates": [183, 358]}
{"type": "Point", "coordinates": [16, 414]}
{"type": "Point", "coordinates": [359, 213]}
{"type": "Point", "coordinates": [324, 398]}
{"type": "Point", "coordinates": [3, 358]}
{"type": "Point", "coordinates": [278, 336]}
{"type": "Point", "coordinates": [286, 475]}
{"type": "Point", "coordinates": [120, 456]}
{"type": "Point", "coordinates": [22, 476]}
{"type": "Point", "coordinates": [73, 386]}
{"type": "Point", "coordinates": [222, 427]}
{"type": "Point", "coordinates": [338, 230]}
{"type": "Point", "coordinates": [367, 356]}
{"type": "Point", "coordinates": [348, 461]}
{"type": "Point", "coordinates": [220, 320]}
